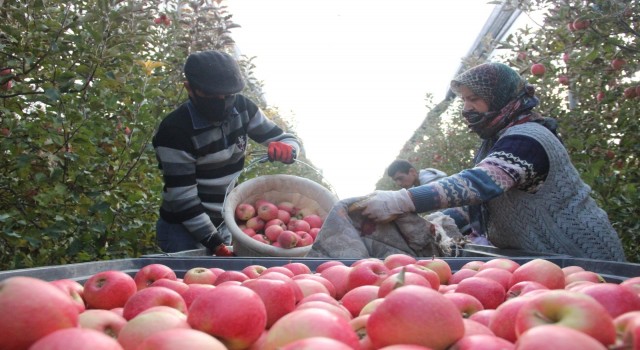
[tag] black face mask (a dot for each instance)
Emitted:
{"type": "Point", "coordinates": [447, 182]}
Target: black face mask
{"type": "Point", "coordinates": [478, 122]}
{"type": "Point", "coordinates": [214, 109]}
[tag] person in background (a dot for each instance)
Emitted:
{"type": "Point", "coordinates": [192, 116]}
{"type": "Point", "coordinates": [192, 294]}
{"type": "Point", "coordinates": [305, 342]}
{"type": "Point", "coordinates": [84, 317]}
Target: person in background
{"type": "Point", "coordinates": [200, 147]}
{"type": "Point", "coordinates": [523, 189]}
{"type": "Point", "coordinates": [405, 175]}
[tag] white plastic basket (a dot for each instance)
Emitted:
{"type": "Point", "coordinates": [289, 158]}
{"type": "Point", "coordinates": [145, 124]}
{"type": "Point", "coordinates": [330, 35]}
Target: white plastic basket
{"type": "Point", "coordinates": [303, 193]}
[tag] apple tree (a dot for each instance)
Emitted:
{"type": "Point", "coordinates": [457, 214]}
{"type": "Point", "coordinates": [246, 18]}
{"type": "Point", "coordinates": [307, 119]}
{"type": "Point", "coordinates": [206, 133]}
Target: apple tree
{"type": "Point", "coordinates": [83, 85]}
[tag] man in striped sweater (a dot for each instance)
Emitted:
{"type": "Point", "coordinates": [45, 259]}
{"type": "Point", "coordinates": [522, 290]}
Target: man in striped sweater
{"type": "Point", "coordinates": [200, 147]}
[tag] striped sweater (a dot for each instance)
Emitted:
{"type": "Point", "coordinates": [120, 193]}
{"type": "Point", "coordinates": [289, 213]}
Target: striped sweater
{"type": "Point", "coordinates": [200, 158]}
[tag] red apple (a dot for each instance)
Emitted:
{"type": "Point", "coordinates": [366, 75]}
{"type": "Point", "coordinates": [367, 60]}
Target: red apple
{"type": "Point", "coordinates": [483, 316]}
{"type": "Point", "coordinates": [316, 343]}
{"type": "Point", "coordinates": [256, 223]}
{"type": "Point", "coordinates": [400, 279]}
{"type": "Point", "coordinates": [467, 304]}
{"type": "Point", "coordinates": [267, 211]}
{"type": "Point", "coordinates": [286, 278]}
{"type": "Point", "coordinates": [176, 285]}
{"type": "Point", "coordinates": [261, 238]}
{"type": "Point", "coordinates": [556, 337]}
{"type": "Point", "coordinates": [288, 207]}
{"type": "Point", "coordinates": [563, 79]}
{"type": "Point", "coordinates": [632, 284]}
{"type": "Point", "coordinates": [253, 270]}
{"type": "Point", "coordinates": [489, 292]}
{"type": "Point", "coordinates": [230, 275]}
{"type": "Point", "coordinates": [277, 222]}
{"type": "Point", "coordinates": [305, 239]}
{"type": "Point", "coordinates": [583, 276]}
{"type": "Point", "coordinates": [369, 307]}
{"type": "Point", "coordinates": [538, 69]}
{"type": "Point", "coordinates": [539, 270]}
{"type": "Point", "coordinates": [482, 342]}
{"type": "Point", "coordinates": [248, 231]}
{"type": "Point", "coordinates": [524, 287]}
{"type": "Point", "coordinates": [439, 266]}
{"type": "Point", "coordinates": [568, 309]}
{"type": "Point", "coordinates": [475, 328]}
{"type": "Point", "coordinates": [335, 309]}
{"type": "Point", "coordinates": [32, 308]}
{"type": "Point", "coordinates": [628, 330]}
{"type": "Point", "coordinates": [308, 286]}
{"type": "Point", "coordinates": [581, 24]}
{"type": "Point", "coordinates": [164, 308]}
{"type": "Point", "coordinates": [283, 216]}
{"type": "Point", "coordinates": [475, 265]}
{"type": "Point", "coordinates": [499, 275]}
{"type": "Point", "coordinates": [245, 211]}
{"type": "Point", "coordinates": [288, 239]}
{"type": "Point", "coordinates": [400, 319]}
{"type": "Point", "coordinates": [105, 321]}
{"type": "Point", "coordinates": [308, 323]}
{"type": "Point", "coordinates": [142, 326]}
{"type": "Point", "coordinates": [501, 263]}
{"type": "Point", "coordinates": [395, 260]}
{"type": "Point", "coordinates": [152, 272]}
{"type": "Point", "coordinates": [181, 338]}
{"type": "Point", "coordinates": [108, 289]}
{"type": "Point", "coordinates": [618, 63]}
{"type": "Point", "coordinates": [629, 92]}
{"type": "Point", "coordinates": [522, 55]}
{"type": "Point", "coordinates": [74, 289]}
{"type": "Point", "coordinates": [338, 275]}
{"type": "Point", "coordinates": [600, 96]}
{"type": "Point", "coordinates": [355, 299]}
{"type": "Point", "coordinates": [152, 296]}
{"type": "Point", "coordinates": [76, 339]}
{"type": "Point", "coordinates": [298, 225]}
{"type": "Point", "coordinates": [278, 297]}
{"type": "Point", "coordinates": [367, 272]}
{"type": "Point", "coordinates": [297, 268]}
{"type": "Point", "coordinates": [427, 273]}
{"type": "Point", "coordinates": [314, 233]}
{"type": "Point", "coordinates": [461, 274]}
{"type": "Point", "coordinates": [616, 299]}
{"type": "Point", "coordinates": [567, 270]}
{"type": "Point", "coordinates": [199, 275]}
{"type": "Point", "coordinates": [319, 297]}
{"type": "Point", "coordinates": [314, 220]}
{"type": "Point", "coordinates": [503, 321]}
{"type": "Point", "coordinates": [194, 291]}
{"type": "Point", "coordinates": [327, 264]}
{"type": "Point", "coordinates": [236, 315]}
{"type": "Point", "coordinates": [273, 231]}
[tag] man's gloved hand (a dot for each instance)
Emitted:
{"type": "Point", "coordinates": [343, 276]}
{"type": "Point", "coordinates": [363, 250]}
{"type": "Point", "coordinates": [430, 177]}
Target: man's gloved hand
{"type": "Point", "coordinates": [222, 250]}
{"type": "Point", "coordinates": [384, 206]}
{"type": "Point", "coordinates": [281, 152]}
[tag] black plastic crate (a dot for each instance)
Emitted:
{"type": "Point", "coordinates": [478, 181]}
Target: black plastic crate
{"type": "Point", "coordinates": [611, 271]}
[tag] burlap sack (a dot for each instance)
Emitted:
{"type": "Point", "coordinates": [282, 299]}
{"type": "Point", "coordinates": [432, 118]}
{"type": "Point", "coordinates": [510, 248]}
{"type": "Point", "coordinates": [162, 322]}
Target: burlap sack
{"type": "Point", "coordinates": [303, 193]}
{"type": "Point", "coordinates": [348, 234]}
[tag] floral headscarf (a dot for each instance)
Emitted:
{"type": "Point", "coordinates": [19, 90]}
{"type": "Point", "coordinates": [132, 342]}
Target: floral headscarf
{"type": "Point", "coordinates": [509, 97]}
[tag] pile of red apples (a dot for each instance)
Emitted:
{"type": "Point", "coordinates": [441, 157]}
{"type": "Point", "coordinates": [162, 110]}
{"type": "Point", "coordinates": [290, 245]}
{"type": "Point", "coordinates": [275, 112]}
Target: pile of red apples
{"type": "Point", "coordinates": [281, 224]}
{"type": "Point", "coordinates": [395, 303]}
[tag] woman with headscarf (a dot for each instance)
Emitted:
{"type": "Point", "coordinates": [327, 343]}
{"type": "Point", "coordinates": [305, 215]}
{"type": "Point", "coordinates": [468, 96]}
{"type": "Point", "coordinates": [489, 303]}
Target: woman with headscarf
{"type": "Point", "coordinates": [523, 190]}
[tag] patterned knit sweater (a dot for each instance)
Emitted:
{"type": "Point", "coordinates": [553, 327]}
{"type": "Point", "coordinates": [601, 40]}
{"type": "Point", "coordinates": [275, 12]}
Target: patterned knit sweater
{"type": "Point", "coordinates": [534, 197]}
{"type": "Point", "coordinates": [560, 217]}
{"type": "Point", "coordinates": [200, 158]}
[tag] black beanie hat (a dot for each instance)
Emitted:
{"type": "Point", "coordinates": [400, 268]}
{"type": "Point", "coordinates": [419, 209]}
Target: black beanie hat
{"type": "Point", "coordinates": [214, 73]}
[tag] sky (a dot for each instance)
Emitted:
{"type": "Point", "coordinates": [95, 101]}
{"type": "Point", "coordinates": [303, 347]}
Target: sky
{"type": "Point", "coordinates": [353, 74]}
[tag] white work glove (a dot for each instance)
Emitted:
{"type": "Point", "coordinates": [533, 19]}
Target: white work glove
{"type": "Point", "coordinates": [385, 206]}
